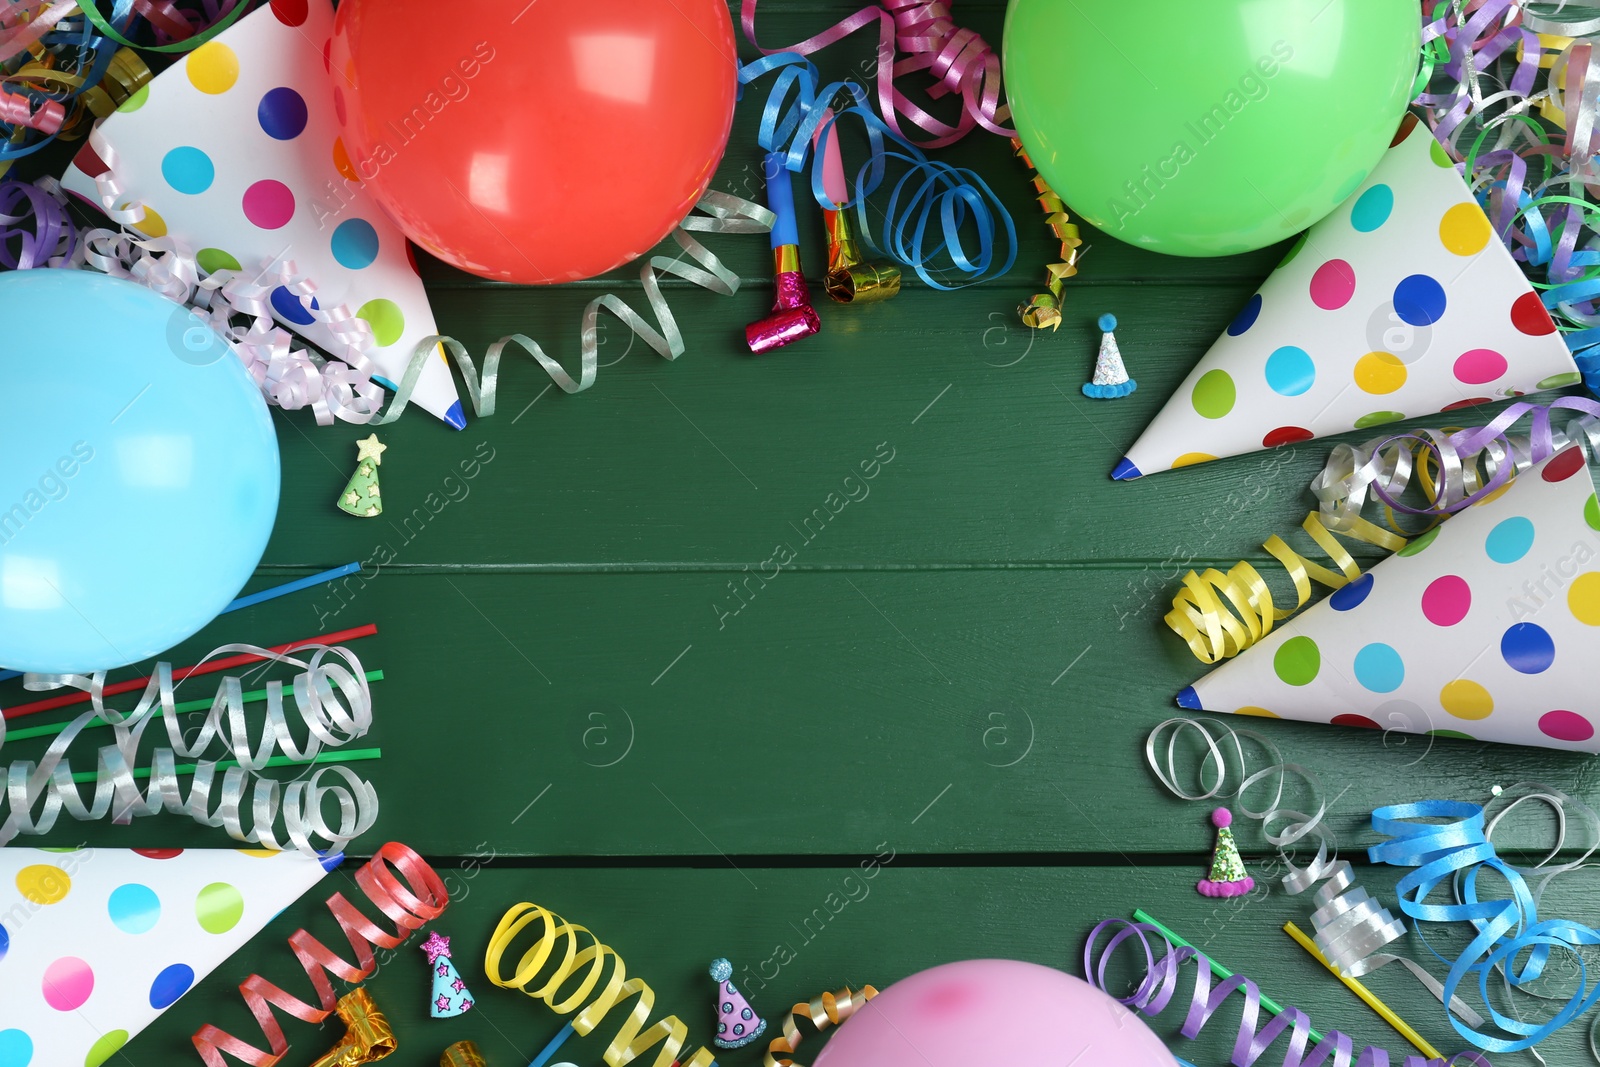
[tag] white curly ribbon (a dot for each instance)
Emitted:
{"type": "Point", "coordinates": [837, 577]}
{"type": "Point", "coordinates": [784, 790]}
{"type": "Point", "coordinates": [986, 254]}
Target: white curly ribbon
{"type": "Point", "coordinates": [331, 701]}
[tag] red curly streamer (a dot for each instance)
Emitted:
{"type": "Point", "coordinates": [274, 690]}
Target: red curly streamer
{"type": "Point", "coordinates": [412, 894]}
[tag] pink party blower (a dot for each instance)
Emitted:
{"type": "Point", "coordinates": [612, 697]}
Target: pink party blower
{"type": "Point", "coordinates": [792, 316]}
{"type": "Point", "coordinates": [851, 278]}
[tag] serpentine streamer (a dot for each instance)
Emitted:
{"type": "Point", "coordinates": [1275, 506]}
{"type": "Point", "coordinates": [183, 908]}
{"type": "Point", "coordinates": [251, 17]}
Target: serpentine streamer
{"type": "Point", "coordinates": [331, 701]}
{"type": "Point", "coordinates": [828, 1009]}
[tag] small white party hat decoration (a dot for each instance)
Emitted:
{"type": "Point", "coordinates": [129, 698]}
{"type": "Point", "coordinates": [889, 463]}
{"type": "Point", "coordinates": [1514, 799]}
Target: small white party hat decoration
{"type": "Point", "coordinates": [1110, 376]}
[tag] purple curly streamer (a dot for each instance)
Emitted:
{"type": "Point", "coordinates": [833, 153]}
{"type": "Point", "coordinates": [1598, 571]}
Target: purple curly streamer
{"type": "Point", "coordinates": [35, 229]}
{"type": "Point", "coordinates": [1160, 982]}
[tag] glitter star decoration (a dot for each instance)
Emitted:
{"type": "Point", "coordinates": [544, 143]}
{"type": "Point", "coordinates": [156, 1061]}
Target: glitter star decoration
{"type": "Point", "coordinates": [437, 945]}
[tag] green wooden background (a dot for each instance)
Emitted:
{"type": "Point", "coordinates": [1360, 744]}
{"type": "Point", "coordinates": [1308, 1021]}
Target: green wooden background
{"type": "Point", "coordinates": [961, 667]}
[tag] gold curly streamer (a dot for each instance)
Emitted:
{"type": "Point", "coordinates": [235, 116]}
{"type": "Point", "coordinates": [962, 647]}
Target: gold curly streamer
{"type": "Point", "coordinates": [1214, 633]}
{"type": "Point", "coordinates": [1044, 309]}
{"type": "Point", "coordinates": [828, 1009]}
{"type": "Point", "coordinates": [562, 951]}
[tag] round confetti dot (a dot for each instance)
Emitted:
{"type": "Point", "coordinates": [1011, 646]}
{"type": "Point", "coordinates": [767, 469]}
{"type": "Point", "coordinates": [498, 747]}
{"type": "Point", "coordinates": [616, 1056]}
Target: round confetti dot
{"type": "Point", "coordinates": [1560, 381]}
{"type": "Point", "coordinates": [212, 260]}
{"type": "Point", "coordinates": [1479, 366]}
{"type": "Point", "coordinates": [355, 244]}
{"type": "Point", "coordinates": [260, 853]}
{"type": "Point", "coordinates": [1333, 284]}
{"type": "Point", "coordinates": [218, 908]}
{"type": "Point", "coordinates": [5, 942]}
{"type": "Point", "coordinates": [1260, 713]}
{"type": "Point", "coordinates": [1379, 372]}
{"type": "Point", "coordinates": [1471, 402]}
{"type": "Point", "coordinates": [1437, 153]}
{"type": "Point", "coordinates": [67, 983]}
{"type": "Point", "coordinates": [16, 1048]}
{"type": "Point", "coordinates": [1349, 719]}
{"type": "Point", "coordinates": [282, 113]}
{"type": "Point", "coordinates": [1247, 316]}
{"type": "Point", "coordinates": [159, 853]}
{"type": "Point", "coordinates": [108, 1045]}
{"type": "Point", "coordinates": [290, 308]}
{"type": "Point", "coordinates": [388, 324]}
{"type": "Point", "coordinates": [212, 68]}
{"type": "Point", "coordinates": [44, 883]}
{"type": "Point", "coordinates": [1290, 371]}
{"type": "Point", "coordinates": [172, 983]}
{"type": "Point", "coordinates": [152, 225]}
{"type": "Point", "coordinates": [1510, 539]}
{"type": "Point", "coordinates": [1286, 435]}
{"type": "Point", "coordinates": [1457, 734]}
{"type": "Point", "coordinates": [1419, 300]}
{"type": "Point", "coordinates": [1447, 600]}
{"type": "Point", "coordinates": [341, 160]}
{"type": "Point", "coordinates": [1527, 648]}
{"type": "Point", "coordinates": [1351, 595]}
{"type": "Point", "coordinates": [1372, 208]}
{"type": "Point", "coordinates": [134, 908]}
{"type": "Point", "coordinates": [1529, 316]}
{"type": "Point", "coordinates": [1565, 726]}
{"type": "Point", "coordinates": [268, 204]}
{"type": "Point", "coordinates": [1213, 394]}
{"type": "Point", "coordinates": [1563, 465]}
{"type": "Point", "coordinates": [140, 97]}
{"type": "Point", "coordinates": [1379, 668]}
{"type": "Point", "coordinates": [188, 170]}
{"type": "Point", "coordinates": [1419, 544]}
{"type": "Point", "coordinates": [1378, 418]}
{"type": "Point", "coordinates": [1591, 512]}
{"type": "Point", "coordinates": [290, 12]}
{"type": "Point", "coordinates": [1464, 230]}
{"type": "Point", "coordinates": [1189, 459]}
{"type": "Point", "coordinates": [1294, 250]}
{"type": "Point", "coordinates": [1583, 598]}
{"type": "Point", "coordinates": [338, 104]}
{"type": "Point", "coordinates": [1466, 699]}
{"type": "Point", "coordinates": [1297, 661]}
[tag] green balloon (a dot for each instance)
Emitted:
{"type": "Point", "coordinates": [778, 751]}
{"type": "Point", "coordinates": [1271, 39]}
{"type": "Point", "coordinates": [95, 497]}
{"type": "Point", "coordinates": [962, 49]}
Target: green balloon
{"type": "Point", "coordinates": [1207, 127]}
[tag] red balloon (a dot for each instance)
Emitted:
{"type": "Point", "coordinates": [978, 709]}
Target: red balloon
{"type": "Point", "coordinates": [537, 145]}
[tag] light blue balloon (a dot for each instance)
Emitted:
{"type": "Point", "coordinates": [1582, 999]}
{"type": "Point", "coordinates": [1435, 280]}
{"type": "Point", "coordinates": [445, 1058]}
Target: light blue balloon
{"type": "Point", "coordinates": [138, 472]}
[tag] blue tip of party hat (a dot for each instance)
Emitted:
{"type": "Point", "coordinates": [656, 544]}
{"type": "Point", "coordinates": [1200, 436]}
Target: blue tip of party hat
{"type": "Point", "coordinates": [1189, 699]}
{"type": "Point", "coordinates": [1125, 471]}
{"type": "Point", "coordinates": [455, 417]}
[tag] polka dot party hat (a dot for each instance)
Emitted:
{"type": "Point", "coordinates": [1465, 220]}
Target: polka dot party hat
{"type": "Point", "coordinates": [1400, 303]}
{"type": "Point", "coordinates": [234, 153]}
{"type": "Point", "coordinates": [95, 943]}
{"type": "Point", "coordinates": [1484, 628]}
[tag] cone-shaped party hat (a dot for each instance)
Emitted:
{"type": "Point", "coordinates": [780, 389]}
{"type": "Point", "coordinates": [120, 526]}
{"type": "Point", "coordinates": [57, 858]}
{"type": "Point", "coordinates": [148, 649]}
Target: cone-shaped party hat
{"type": "Point", "coordinates": [361, 496]}
{"type": "Point", "coordinates": [1485, 627]}
{"type": "Point", "coordinates": [449, 996]}
{"type": "Point", "coordinates": [737, 1022]}
{"type": "Point", "coordinates": [95, 943]}
{"type": "Point", "coordinates": [1227, 877]}
{"type": "Point", "coordinates": [234, 152]}
{"type": "Point", "coordinates": [1110, 376]}
{"type": "Point", "coordinates": [1400, 303]}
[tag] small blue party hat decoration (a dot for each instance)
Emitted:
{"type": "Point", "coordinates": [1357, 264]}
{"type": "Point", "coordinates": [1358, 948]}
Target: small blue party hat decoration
{"type": "Point", "coordinates": [1110, 376]}
{"type": "Point", "coordinates": [450, 996]}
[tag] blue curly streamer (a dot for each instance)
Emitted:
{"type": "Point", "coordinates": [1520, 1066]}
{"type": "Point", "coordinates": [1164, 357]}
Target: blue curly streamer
{"type": "Point", "coordinates": [1509, 930]}
{"type": "Point", "coordinates": [930, 207]}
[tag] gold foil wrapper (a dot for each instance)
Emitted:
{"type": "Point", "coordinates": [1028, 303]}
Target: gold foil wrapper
{"type": "Point", "coordinates": [825, 1010]}
{"type": "Point", "coordinates": [367, 1037]}
{"type": "Point", "coordinates": [851, 278]}
{"type": "Point", "coordinates": [462, 1054]}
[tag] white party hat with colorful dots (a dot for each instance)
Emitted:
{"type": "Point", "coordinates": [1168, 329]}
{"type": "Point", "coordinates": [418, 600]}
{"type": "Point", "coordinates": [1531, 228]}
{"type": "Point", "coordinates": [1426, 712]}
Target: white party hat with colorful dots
{"type": "Point", "coordinates": [95, 943]}
{"type": "Point", "coordinates": [1400, 303]}
{"type": "Point", "coordinates": [1485, 628]}
{"type": "Point", "coordinates": [234, 152]}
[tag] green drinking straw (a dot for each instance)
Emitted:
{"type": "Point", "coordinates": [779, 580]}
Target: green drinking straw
{"type": "Point", "coordinates": [188, 705]}
{"type": "Point", "coordinates": [1267, 1002]}
{"type": "Point", "coordinates": [331, 756]}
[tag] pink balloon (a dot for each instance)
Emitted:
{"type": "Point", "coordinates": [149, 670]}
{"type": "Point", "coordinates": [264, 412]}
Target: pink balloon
{"type": "Point", "coordinates": [1000, 1012]}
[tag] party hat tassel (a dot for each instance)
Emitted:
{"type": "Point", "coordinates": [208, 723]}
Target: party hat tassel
{"type": "Point", "coordinates": [1110, 376]}
{"type": "Point", "coordinates": [1227, 877]}
{"type": "Point", "coordinates": [737, 1022]}
{"type": "Point", "coordinates": [361, 497]}
{"type": "Point", "coordinates": [450, 996]}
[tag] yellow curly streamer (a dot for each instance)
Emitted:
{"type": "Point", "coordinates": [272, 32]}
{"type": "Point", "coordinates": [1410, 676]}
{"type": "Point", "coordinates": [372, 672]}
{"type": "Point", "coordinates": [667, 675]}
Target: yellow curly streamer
{"type": "Point", "coordinates": [829, 1009]}
{"type": "Point", "coordinates": [1214, 633]}
{"type": "Point", "coordinates": [1044, 309]}
{"type": "Point", "coordinates": [571, 953]}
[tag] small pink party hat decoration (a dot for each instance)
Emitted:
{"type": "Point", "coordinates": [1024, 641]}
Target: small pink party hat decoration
{"type": "Point", "coordinates": [737, 1022]}
{"type": "Point", "coordinates": [1227, 877]}
{"type": "Point", "coordinates": [450, 996]}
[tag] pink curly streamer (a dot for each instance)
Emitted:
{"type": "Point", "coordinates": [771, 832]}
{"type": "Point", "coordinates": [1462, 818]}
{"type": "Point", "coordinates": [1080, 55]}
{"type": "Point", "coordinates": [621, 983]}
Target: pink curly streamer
{"type": "Point", "coordinates": [959, 60]}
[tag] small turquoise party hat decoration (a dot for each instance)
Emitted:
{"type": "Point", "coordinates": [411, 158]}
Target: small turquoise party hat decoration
{"type": "Point", "coordinates": [450, 996]}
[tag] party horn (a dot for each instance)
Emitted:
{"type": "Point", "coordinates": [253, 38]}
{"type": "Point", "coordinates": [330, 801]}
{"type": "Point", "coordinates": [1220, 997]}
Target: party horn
{"type": "Point", "coordinates": [367, 1036]}
{"type": "Point", "coordinates": [792, 316]}
{"type": "Point", "coordinates": [851, 278]}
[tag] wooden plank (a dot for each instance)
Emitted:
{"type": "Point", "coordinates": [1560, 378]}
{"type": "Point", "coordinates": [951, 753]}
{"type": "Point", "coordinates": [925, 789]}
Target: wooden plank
{"type": "Point", "coordinates": [837, 926]}
{"type": "Point", "coordinates": [615, 714]}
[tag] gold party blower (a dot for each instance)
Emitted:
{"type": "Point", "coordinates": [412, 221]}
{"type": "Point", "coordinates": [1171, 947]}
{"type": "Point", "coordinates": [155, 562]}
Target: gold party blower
{"type": "Point", "coordinates": [851, 278]}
